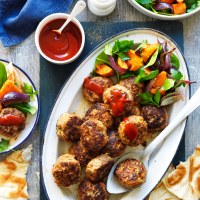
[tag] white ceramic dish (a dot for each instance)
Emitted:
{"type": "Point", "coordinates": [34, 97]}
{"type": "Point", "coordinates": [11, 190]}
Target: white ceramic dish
{"type": "Point", "coordinates": [31, 120]}
{"type": "Point", "coordinates": [159, 16]}
{"type": "Point", "coordinates": [51, 18]}
{"type": "Point", "coordinates": [70, 100]}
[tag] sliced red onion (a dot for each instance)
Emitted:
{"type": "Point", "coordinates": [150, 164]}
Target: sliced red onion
{"type": "Point", "coordinates": [163, 6]}
{"type": "Point", "coordinates": [150, 85]}
{"type": "Point", "coordinates": [115, 66]}
{"type": "Point", "coordinates": [171, 98]}
{"type": "Point", "coordinates": [14, 97]}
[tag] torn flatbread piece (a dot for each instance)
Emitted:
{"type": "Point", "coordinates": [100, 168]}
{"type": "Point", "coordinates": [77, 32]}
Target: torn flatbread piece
{"type": "Point", "coordinates": [13, 170]}
{"type": "Point", "coordinates": [184, 181]}
{"type": "Point", "coordinates": [160, 192]}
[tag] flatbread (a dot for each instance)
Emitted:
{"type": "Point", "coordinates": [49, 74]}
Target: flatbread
{"type": "Point", "coordinates": [13, 169]}
{"type": "Point", "coordinates": [160, 192]}
{"type": "Point", "coordinates": [184, 181]}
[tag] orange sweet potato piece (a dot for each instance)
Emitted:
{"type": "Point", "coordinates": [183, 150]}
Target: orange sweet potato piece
{"type": "Point", "coordinates": [7, 87]}
{"type": "Point", "coordinates": [121, 63]}
{"type": "Point", "coordinates": [179, 1]}
{"type": "Point", "coordinates": [167, 1]}
{"type": "Point", "coordinates": [135, 62]}
{"type": "Point", "coordinates": [160, 79]}
{"type": "Point", "coordinates": [104, 70]}
{"type": "Point", "coordinates": [179, 8]}
{"type": "Point", "coordinates": [148, 51]}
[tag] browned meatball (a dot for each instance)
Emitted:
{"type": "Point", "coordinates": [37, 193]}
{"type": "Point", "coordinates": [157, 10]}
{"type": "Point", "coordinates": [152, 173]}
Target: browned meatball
{"type": "Point", "coordinates": [82, 154]}
{"type": "Point", "coordinates": [135, 110]}
{"type": "Point", "coordinates": [99, 167]}
{"type": "Point", "coordinates": [94, 135]}
{"type": "Point", "coordinates": [68, 127]}
{"type": "Point", "coordinates": [119, 99]}
{"type": "Point", "coordinates": [66, 171]}
{"type": "Point", "coordinates": [130, 173]}
{"type": "Point", "coordinates": [11, 129]}
{"type": "Point", "coordinates": [101, 112]}
{"type": "Point", "coordinates": [89, 190]}
{"type": "Point", "coordinates": [156, 117]}
{"type": "Point", "coordinates": [93, 88]}
{"type": "Point", "coordinates": [132, 130]}
{"type": "Point", "coordinates": [114, 147]}
{"type": "Point", "coordinates": [135, 88]}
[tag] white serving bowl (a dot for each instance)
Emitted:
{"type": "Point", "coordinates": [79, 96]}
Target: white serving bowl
{"type": "Point", "coordinates": [51, 18]}
{"type": "Point", "coordinates": [159, 16]}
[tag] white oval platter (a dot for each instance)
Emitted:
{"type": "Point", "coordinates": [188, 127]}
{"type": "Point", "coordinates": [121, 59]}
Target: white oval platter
{"type": "Point", "coordinates": [70, 100]}
{"type": "Point", "coordinates": [31, 120]}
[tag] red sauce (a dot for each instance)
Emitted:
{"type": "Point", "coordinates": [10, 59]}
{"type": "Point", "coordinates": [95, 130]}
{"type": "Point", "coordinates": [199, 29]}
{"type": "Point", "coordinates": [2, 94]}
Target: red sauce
{"type": "Point", "coordinates": [130, 130]}
{"type": "Point", "coordinates": [9, 120]}
{"type": "Point", "coordinates": [93, 86]}
{"type": "Point", "coordinates": [60, 47]}
{"type": "Point", "coordinates": [117, 102]}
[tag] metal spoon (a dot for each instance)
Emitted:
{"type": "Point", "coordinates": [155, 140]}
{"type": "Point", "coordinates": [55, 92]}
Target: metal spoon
{"type": "Point", "coordinates": [112, 185]}
{"type": "Point", "coordinates": [78, 8]}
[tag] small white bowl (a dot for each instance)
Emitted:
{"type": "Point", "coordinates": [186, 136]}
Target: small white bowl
{"type": "Point", "coordinates": [159, 16]}
{"type": "Point", "coordinates": [51, 18]}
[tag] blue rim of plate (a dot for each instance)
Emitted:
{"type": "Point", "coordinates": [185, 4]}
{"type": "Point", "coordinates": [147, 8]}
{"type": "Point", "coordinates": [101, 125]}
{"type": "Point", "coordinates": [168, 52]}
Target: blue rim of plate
{"type": "Point", "coordinates": [38, 111]}
{"type": "Point", "coordinates": [129, 30]}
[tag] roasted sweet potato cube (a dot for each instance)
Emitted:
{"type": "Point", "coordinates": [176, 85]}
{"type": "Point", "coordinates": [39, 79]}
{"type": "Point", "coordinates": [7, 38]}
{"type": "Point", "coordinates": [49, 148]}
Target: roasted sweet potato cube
{"type": "Point", "coordinates": [135, 62]}
{"type": "Point", "coordinates": [104, 70]}
{"type": "Point", "coordinates": [179, 8]}
{"type": "Point", "coordinates": [122, 63]}
{"type": "Point", "coordinates": [148, 51]}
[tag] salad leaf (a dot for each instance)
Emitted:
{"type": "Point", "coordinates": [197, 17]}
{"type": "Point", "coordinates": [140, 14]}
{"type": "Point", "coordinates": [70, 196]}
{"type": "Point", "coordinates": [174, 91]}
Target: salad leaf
{"type": "Point", "coordinates": [177, 75]}
{"type": "Point", "coordinates": [123, 56]}
{"type": "Point", "coordinates": [127, 74]}
{"type": "Point", "coordinates": [28, 89]}
{"type": "Point", "coordinates": [108, 50]}
{"type": "Point", "coordinates": [102, 58]}
{"type": "Point", "coordinates": [148, 98]}
{"type": "Point", "coordinates": [153, 58]}
{"type": "Point", "coordinates": [175, 61]}
{"type": "Point", "coordinates": [144, 42]}
{"type": "Point", "coordinates": [122, 46]}
{"type": "Point", "coordinates": [3, 74]}
{"type": "Point", "coordinates": [157, 97]}
{"type": "Point", "coordinates": [144, 2]}
{"type": "Point", "coordinates": [168, 84]}
{"type": "Point", "coordinates": [4, 144]}
{"type": "Point", "coordinates": [145, 77]}
{"type": "Point", "coordinates": [25, 107]}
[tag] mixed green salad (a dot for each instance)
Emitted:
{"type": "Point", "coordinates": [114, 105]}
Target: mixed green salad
{"type": "Point", "coordinates": [152, 64]}
{"type": "Point", "coordinates": [13, 94]}
{"type": "Point", "coordinates": [170, 7]}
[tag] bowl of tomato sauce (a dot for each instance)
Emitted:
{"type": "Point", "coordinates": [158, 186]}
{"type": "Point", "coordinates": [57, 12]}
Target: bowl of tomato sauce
{"type": "Point", "coordinates": [59, 49]}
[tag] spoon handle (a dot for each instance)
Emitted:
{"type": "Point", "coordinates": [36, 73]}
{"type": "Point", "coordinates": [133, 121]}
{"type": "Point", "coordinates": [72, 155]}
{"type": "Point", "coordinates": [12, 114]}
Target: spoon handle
{"type": "Point", "coordinates": [79, 7]}
{"type": "Point", "coordinates": [192, 104]}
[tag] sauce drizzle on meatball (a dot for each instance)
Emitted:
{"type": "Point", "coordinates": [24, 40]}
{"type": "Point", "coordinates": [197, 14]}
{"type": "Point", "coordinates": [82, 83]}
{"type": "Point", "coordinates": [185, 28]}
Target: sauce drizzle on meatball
{"type": "Point", "coordinates": [92, 86]}
{"type": "Point", "coordinates": [130, 129]}
{"type": "Point", "coordinates": [117, 102]}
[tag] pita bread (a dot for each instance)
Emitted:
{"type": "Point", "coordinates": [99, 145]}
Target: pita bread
{"type": "Point", "coordinates": [184, 181]}
{"type": "Point", "coordinates": [13, 169]}
{"type": "Point", "coordinates": [160, 192]}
